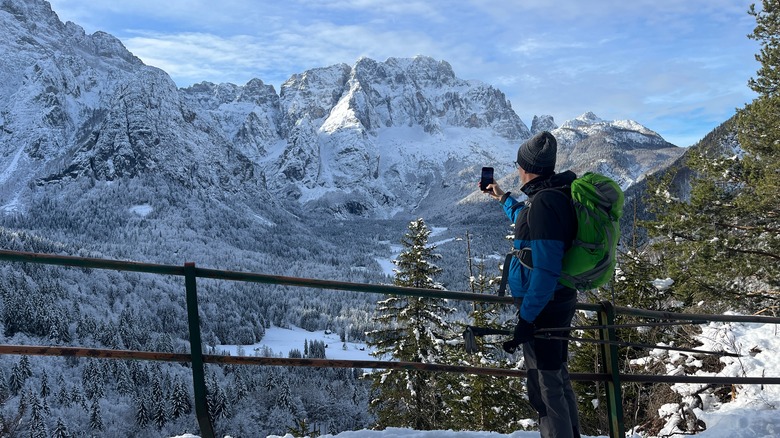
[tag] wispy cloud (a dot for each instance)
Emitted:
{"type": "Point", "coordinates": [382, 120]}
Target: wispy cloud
{"type": "Point", "coordinates": [543, 45]}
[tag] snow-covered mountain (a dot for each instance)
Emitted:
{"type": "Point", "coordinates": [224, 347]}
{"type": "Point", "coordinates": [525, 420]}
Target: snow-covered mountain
{"type": "Point", "coordinates": [373, 139]}
{"type": "Point", "coordinates": [622, 149]}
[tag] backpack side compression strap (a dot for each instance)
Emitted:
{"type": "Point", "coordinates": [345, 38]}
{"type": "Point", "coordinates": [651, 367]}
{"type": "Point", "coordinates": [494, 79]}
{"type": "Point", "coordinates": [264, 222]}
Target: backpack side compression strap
{"type": "Point", "coordinates": [505, 275]}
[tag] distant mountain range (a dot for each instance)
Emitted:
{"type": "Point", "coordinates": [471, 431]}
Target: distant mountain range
{"type": "Point", "coordinates": [375, 139]}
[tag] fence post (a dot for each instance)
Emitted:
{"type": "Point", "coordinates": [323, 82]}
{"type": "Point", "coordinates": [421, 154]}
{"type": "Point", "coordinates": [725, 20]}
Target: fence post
{"type": "Point", "coordinates": [196, 350]}
{"type": "Point", "coordinates": [610, 365]}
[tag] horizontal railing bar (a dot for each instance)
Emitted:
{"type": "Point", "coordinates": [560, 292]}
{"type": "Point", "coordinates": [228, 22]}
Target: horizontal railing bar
{"type": "Point", "coordinates": [101, 353]}
{"type": "Point", "coordinates": [697, 317]}
{"type": "Point", "coordinates": [659, 314]}
{"type": "Point", "coordinates": [85, 262]}
{"type": "Point", "coordinates": [722, 380]}
{"type": "Point", "coordinates": [119, 265]}
{"type": "Point", "coordinates": [256, 360]}
{"type": "Point", "coordinates": [364, 364]}
{"type": "Point", "coordinates": [341, 285]}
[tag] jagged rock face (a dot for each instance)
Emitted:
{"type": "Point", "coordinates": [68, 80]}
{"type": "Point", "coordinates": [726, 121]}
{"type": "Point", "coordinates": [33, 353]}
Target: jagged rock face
{"type": "Point", "coordinates": [56, 83]}
{"type": "Point", "coordinates": [82, 106]}
{"type": "Point", "coordinates": [312, 94]}
{"type": "Point", "coordinates": [424, 92]}
{"type": "Point", "coordinates": [355, 109]}
{"type": "Point", "coordinates": [250, 116]}
{"type": "Point", "coordinates": [141, 133]}
{"type": "Point", "coordinates": [542, 123]}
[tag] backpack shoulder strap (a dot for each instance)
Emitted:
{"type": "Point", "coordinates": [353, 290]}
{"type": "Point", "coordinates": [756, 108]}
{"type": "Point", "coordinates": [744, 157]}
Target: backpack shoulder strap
{"type": "Point", "coordinates": [561, 191]}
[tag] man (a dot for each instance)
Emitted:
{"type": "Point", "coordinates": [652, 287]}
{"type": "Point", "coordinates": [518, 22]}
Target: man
{"type": "Point", "coordinates": [542, 235]}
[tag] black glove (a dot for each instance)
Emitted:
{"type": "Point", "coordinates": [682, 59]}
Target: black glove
{"type": "Point", "coordinates": [524, 332]}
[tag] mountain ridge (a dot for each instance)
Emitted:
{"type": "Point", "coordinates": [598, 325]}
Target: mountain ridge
{"type": "Point", "coordinates": [374, 139]}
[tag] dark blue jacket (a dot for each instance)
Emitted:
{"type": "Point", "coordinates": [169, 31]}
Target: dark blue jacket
{"type": "Point", "coordinates": [547, 232]}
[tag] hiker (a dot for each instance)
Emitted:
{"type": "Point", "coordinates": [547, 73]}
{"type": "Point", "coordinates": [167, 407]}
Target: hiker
{"type": "Point", "coordinates": [542, 235]}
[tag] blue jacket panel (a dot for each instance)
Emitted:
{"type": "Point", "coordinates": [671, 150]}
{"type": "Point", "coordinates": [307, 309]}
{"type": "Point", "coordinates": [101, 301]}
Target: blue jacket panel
{"type": "Point", "coordinates": [546, 230]}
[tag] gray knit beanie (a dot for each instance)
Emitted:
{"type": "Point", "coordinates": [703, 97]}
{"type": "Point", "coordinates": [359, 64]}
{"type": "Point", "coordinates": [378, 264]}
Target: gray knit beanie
{"type": "Point", "coordinates": [537, 154]}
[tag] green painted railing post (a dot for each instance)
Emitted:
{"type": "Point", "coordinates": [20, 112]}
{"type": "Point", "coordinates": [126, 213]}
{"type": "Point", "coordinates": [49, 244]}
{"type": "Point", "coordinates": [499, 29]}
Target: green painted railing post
{"type": "Point", "coordinates": [610, 365]}
{"type": "Point", "coordinates": [196, 350]}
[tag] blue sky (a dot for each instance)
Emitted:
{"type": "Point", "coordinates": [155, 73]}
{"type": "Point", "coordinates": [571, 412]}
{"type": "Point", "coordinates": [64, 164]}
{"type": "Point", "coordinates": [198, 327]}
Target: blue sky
{"type": "Point", "coordinates": [679, 67]}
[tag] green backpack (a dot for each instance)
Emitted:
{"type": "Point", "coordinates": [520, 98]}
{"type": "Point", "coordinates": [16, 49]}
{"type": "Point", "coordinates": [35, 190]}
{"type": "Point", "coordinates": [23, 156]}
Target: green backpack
{"type": "Point", "coordinates": [597, 202]}
{"type": "Point", "coordinates": [598, 206]}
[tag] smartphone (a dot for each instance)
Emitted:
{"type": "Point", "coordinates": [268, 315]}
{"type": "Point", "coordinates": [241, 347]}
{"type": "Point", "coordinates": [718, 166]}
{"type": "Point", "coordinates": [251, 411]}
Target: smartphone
{"type": "Point", "coordinates": [487, 178]}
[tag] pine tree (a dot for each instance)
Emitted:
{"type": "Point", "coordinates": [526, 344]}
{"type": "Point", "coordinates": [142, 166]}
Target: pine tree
{"type": "Point", "coordinates": [16, 380]}
{"type": "Point", "coordinates": [303, 428]}
{"type": "Point", "coordinates": [24, 367]}
{"type": "Point", "coordinates": [159, 411]}
{"type": "Point", "coordinates": [159, 414]}
{"type": "Point", "coordinates": [96, 417]}
{"type": "Point", "coordinates": [411, 329]}
{"type": "Point", "coordinates": [45, 390]}
{"type": "Point", "coordinates": [723, 242]}
{"type": "Point", "coordinates": [60, 430]}
{"type": "Point", "coordinates": [78, 397]}
{"type": "Point", "coordinates": [181, 400]}
{"type": "Point", "coordinates": [124, 383]}
{"type": "Point", "coordinates": [284, 398]}
{"type": "Point", "coordinates": [37, 425]}
{"type": "Point", "coordinates": [63, 395]}
{"type": "Point", "coordinates": [5, 391]}
{"type": "Point", "coordinates": [759, 135]}
{"type": "Point", "coordinates": [142, 415]}
{"type": "Point", "coordinates": [767, 82]}
{"type": "Point", "coordinates": [218, 401]}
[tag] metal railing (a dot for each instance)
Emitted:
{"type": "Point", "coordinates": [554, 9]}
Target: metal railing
{"type": "Point", "coordinates": [610, 373]}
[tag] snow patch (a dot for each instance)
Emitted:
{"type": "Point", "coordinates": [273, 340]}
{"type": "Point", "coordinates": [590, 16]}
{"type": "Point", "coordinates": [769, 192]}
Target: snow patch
{"type": "Point", "coordinates": [142, 210]}
{"type": "Point", "coordinates": [282, 340]}
{"type": "Point", "coordinates": [263, 220]}
{"type": "Point", "coordinates": [663, 284]}
{"type": "Point", "coordinates": [12, 166]}
{"type": "Point", "coordinates": [12, 206]}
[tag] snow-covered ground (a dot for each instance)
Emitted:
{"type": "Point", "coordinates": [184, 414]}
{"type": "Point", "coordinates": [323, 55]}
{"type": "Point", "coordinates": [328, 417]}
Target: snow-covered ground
{"type": "Point", "coordinates": [408, 433]}
{"type": "Point", "coordinates": [753, 412]}
{"type": "Point", "coordinates": [281, 341]}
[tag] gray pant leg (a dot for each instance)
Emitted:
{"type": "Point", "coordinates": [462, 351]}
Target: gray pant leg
{"type": "Point", "coordinates": [571, 399]}
{"type": "Point", "coordinates": [550, 393]}
{"type": "Point", "coordinates": [557, 422]}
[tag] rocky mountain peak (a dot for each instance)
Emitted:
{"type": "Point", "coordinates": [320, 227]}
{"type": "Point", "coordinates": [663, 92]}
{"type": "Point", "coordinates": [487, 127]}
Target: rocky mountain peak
{"type": "Point", "coordinates": [586, 119]}
{"type": "Point", "coordinates": [312, 94]}
{"type": "Point", "coordinates": [31, 13]}
{"type": "Point", "coordinates": [542, 123]}
{"type": "Point", "coordinates": [622, 149]}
